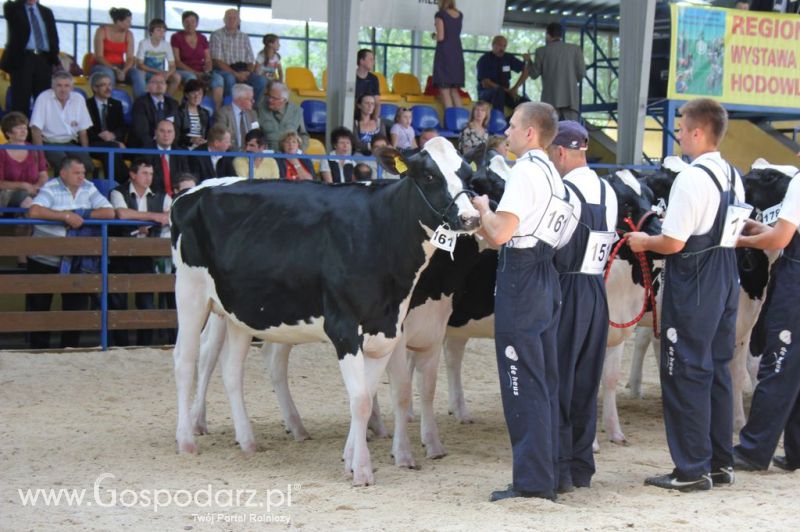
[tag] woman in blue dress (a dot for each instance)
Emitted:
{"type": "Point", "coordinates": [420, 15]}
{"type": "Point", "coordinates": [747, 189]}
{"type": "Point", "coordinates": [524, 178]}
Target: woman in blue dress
{"type": "Point", "coordinates": [448, 61]}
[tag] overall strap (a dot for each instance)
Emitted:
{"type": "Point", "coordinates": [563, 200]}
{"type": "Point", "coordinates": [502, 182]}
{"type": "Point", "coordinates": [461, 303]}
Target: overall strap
{"type": "Point", "coordinates": [711, 175]}
{"type": "Point", "coordinates": [574, 188]}
{"type": "Point", "coordinates": [602, 191]}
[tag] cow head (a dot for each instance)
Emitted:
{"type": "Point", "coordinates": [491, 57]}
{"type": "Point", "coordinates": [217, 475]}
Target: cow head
{"type": "Point", "coordinates": [438, 172]}
{"type": "Point", "coordinates": [635, 200]}
{"type": "Point", "coordinates": [765, 185]}
{"type": "Point", "coordinates": [491, 180]}
{"type": "Point", "coordinates": [661, 180]}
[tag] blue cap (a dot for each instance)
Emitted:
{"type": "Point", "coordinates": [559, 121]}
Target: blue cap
{"type": "Point", "coordinates": [572, 135]}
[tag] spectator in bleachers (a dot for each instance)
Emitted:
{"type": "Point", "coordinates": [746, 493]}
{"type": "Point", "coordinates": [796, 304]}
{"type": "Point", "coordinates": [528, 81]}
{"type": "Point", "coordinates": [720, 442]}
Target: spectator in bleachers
{"type": "Point", "coordinates": [496, 145]}
{"type": "Point", "coordinates": [68, 199]}
{"type": "Point", "coordinates": [294, 168]}
{"type": "Point", "coordinates": [238, 116]}
{"type": "Point", "coordinates": [475, 133]}
{"type": "Point", "coordinates": [402, 133]}
{"type": "Point", "coordinates": [135, 200]}
{"type": "Point", "coordinates": [31, 51]}
{"type": "Point", "coordinates": [154, 54]}
{"type": "Point", "coordinates": [379, 141]}
{"type": "Point", "coordinates": [166, 165]}
{"type": "Point", "coordinates": [339, 170]}
{"type": "Point", "coordinates": [366, 81]}
{"type": "Point", "coordinates": [22, 172]}
{"type": "Point", "coordinates": [268, 60]}
{"type": "Point", "coordinates": [277, 115]}
{"type": "Point", "coordinates": [494, 76]}
{"type": "Point", "coordinates": [448, 59]}
{"type": "Point", "coordinates": [362, 172]}
{"type": "Point", "coordinates": [193, 119]}
{"type": "Point", "coordinates": [149, 109]}
{"type": "Point", "coordinates": [366, 125]}
{"type": "Point", "coordinates": [186, 181]}
{"type": "Point", "coordinates": [233, 56]}
{"type": "Point", "coordinates": [425, 135]}
{"type": "Point", "coordinates": [108, 126]}
{"type": "Point", "coordinates": [208, 166]}
{"type": "Point", "coordinates": [193, 57]}
{"type": "Point", "coordinates": [60, 118]}
{"type": "Point", "coordinates": [263, 167]}
{"type": "Point", "coordinates": [113, 51]}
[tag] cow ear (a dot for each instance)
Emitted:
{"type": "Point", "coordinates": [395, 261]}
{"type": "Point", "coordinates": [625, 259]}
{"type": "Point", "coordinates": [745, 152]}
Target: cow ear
{"type": "Point", "coordinates": [392, 161]}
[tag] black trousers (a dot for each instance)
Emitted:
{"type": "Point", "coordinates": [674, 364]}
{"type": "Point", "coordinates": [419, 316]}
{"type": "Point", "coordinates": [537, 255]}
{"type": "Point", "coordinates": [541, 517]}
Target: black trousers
{"type": "Point", "coordinates": [31, 79]}
{"type": "Point", "coordinates": [120, 170]}
{"type": "Point", "coordinates": [143, 300]}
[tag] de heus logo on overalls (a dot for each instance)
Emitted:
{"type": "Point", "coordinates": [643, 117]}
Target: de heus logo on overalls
{"type": "Point", "coordinates": [513, 380]}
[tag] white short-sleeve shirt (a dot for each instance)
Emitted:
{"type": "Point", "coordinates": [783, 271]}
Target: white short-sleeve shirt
{"type": "Point", "coordinates": [586, 180]}
{"type": "Point", "coordinates": [790, 209]}
{"type": "Point", "coordinates": [694, 199]}
{"type": "Point", "coordinates": [118, 202]}
{"type": "Point", "coordinates": [155, 56]}
{"type": "Point", "coordinates": [60, 124]}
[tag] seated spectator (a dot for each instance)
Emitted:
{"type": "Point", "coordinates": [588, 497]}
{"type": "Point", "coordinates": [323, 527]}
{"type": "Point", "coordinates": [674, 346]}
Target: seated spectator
{"type": "Point", "coordinates": [154, 54]}
{"type": "Point", "coordinates": [208, 166]}
{"type": "Point", "coordinates": [68, 199]}
{"type": "Point", "coordinates": [193, 119]}
{"type": "Point", "coordinates": [402, 133]}
{"type": "Point", "coordinates": [474, 133]}
{"type": "Point", "coordinates": [494, 75]}
{"type": "Point", "coordinates": [263, 167]}
{"type": "Point", "coordinates": [362, 172]}
{"type": "Point", "coordinates": [277, 115]}
{"type": "Point", "coordinates": [108, 125]}
{"type": "Point", "coordinates": [379, 141]}
{"type": "Point", "coordinates": [366, 125]}
{"type": "Point", "coordinates": [165, 164]}
{"type": "Point", "coordinates": [233, 56]}
{"type": "Point", "coordinates": [186, 181]}
{"type": "Point", "coordinates": [339, 170]}
{"type": "Point", "coordinates": [294, 168]}
{"type": "Point", "coordinates": [193, 57]}
{"type": "Point", "coordinates": [366, 81]}
{"type": "Point", "coordinates": [425, 135]}
{"type": "Point", "coordinates": [238, 116]}
{"type": "Point", "coordinates": [113, 51]}
{"type": "Point", "coordinates": [22, 172]}
{"type": "Point", "coordinates": [268, 60]}
{"type": "Point", "coordinates": [135, 200]}
{"type": "Point", "coordinates": [149, 109]}
{"type": "Point", "coordinates": [60, 118]}
{"type": "Point", "coordinates": [496, 145]}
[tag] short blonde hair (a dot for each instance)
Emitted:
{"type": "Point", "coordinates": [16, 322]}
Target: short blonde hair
{"type": "Point", "coordinates": [486, 117]}
{"type": "Point", "coordinates": [540, 116]}
{"type": "Point", "coordinates": [707, 114]}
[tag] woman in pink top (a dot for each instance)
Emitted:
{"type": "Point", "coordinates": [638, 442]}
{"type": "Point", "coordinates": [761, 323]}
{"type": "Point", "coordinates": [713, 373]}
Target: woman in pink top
{"type": "Point", "coordinates": [193, 57]}
{"type": "Point", "coordinates": [22, 172]}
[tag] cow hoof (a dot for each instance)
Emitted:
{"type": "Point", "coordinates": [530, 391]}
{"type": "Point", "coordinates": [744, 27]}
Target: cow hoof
{"type": "Point", "coordinates": [619, 439]}
{"type": "Point", "coordinates": [300, 434]}
{"type": "Point", "coordinates": [463, 417]}
{"type": "Point", "coordinates": [595, 446]}
{"type": "Point", "coordinates": [434, 452]}
{"type": "Point", "coordinates": [406, 462]}
{"type": "Point", "coordinates": [199, 429]}
{"type": "Point", "coordinates": [249, 448]}
{"type": "Point", "coordinates": [187, 447]}
{"type": "Point", "coordinates": [363, 476]}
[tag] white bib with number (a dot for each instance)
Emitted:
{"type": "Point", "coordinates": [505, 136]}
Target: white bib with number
{"type": "Point", "coordinates": [554, 222]}
{"type": "Point", "coordinates": [770, 216]}
{"type": "Point", "coordinates": [444, 238]}
{"type": "Point", "coordinates": [734, 223]}
{"type": "Point", "coordinates": [598, 249]}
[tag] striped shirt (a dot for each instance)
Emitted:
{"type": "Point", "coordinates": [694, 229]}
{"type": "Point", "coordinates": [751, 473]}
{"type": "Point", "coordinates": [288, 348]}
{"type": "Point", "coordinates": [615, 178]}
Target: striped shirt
{"type": "Point", "coordinates": [231, 48]}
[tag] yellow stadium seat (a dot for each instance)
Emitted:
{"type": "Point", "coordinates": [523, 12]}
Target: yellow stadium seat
{"type": "Point", "coordinates": [325, 79]}
{"type": "Point", "coordinates": [315, 147]}
{"type": "Point", "coordinates": [404, 84]}
{"type": "Point", "coordinates": [301, 80]}
{"type": "Point", "coordinates": [3, 139]}
{"type": "Point", "coordinates": [386, 95]}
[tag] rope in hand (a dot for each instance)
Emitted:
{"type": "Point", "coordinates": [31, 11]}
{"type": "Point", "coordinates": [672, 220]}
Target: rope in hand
{"type": "Point", "coordinates": [647, 278]}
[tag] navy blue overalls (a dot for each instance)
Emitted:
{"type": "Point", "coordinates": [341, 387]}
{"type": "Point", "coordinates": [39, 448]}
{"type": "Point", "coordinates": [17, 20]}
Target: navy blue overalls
{"type": "Point", "coordinates": [701, 289]}
{"type": "Point", "coordinates": [776, 400]}
{"type": "Point", "coordinates": [527, 301]}
{"type": "Point", "coordinates": [581, 338]}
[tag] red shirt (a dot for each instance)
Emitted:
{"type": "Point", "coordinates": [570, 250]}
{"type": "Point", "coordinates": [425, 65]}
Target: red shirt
{"type": "Point", "coordinates": [194, 58]}
{"type": "Point", "coordinates": [26, 171]}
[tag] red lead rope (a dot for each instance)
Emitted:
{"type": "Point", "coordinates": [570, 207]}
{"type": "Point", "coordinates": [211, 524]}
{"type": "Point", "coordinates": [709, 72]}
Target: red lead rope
{"type": "Point", "coordinates": [647, 277]}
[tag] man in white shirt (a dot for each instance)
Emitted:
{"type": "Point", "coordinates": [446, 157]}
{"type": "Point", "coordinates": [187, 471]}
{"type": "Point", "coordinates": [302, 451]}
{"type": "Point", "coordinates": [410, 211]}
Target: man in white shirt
{"type": "Point", "coordinates": [238, 117]}
{"type": "Point", "coordinates": [701, 291]}
{"type": "Point", "coordinates": [530, 222]}
{"type": "Point", "coordinates": [60, 118]}
{"type": "Point", "coordinates": [583, 325]}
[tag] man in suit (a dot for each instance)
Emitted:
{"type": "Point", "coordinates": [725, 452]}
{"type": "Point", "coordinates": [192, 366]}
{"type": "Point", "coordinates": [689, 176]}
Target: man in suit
{"type": "Point", "coordinates": [31, 51]}
{"type": "Point", "coordinates": [149, 109]}
{"type": "Point", "coordinates": [562, 68]}
{"type": "Point", "coordinates": [108, 127]}
{"type": "Point", "coordinates": [208, 166]}
{"type": "Point", "coordinates": [166, 166]}
{"type": "Point", "coordinates": [238, 117]}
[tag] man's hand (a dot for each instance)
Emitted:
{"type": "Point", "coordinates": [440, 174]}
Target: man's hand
{"type": "Point", "coordinates": [73, 220]}
{"type": "Point", "coordinates": [526, 57]}
{"type": "Point", "coordinates": [161, 217]}
{"type": "Point", "coordinates": [637, 241]}
{"type": "Point", "coordinates": [481, 203]}
{"type": "Point", "coordinates": [752, 227]}
{"type": "Point", "coordinates": [107, 136]}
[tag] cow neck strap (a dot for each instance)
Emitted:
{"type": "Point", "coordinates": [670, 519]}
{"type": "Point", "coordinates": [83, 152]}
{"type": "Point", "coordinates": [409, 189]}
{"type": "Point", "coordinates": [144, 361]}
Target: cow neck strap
{"type": "Point", "coordinates": [447, 208]}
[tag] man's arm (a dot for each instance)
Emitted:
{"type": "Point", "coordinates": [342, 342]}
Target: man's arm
{"type": "Point", "coordinates": [761, 236]}
{"type": "Point", "coordinates": [662, 244]}
{"type": "Point", "coordinates": [131, 214]}
{"type": "Point", "coordinates": [497, 228]}
{"type": "Point", "coordinates": [45, 213]}
{"type": "Point", "coordinates": [83, 138]}
{"type": "Point", "coordinates": [36, 136]}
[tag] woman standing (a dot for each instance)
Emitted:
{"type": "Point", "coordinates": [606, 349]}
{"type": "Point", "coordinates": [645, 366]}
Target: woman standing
{"type": "Point", "coordinates": [113, 50]}
{"type": "Point", "coordinates": [448, 61]}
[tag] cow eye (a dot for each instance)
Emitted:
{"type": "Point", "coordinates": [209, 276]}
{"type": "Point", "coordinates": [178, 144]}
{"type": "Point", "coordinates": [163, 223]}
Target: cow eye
{"type": "Point", "coordinates": [429, 178]}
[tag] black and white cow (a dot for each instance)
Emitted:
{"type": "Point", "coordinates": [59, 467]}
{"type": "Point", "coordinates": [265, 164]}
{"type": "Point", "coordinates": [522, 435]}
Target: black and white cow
{"type": "Point", "coordinates": [297, 262]}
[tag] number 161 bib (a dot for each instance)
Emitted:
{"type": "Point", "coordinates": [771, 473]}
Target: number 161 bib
{"type": "Point", "coordinates": [554, 221]}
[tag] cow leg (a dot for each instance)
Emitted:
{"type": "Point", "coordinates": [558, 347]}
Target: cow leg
{"type": "Point", "coordinates": [411, 363]}
{"type": "Point", "coordinates": [277, 356]}
{"type": "Point", "coordinates": [739, 378]}
{"type": "Point", "coordinates": [211, 342]}
{"type": "Point", "coordinates": [375, 423]}
{"type": "Point", "coordinates": [427, 364]}
{"type": "Point", "coordinates": [193, 308]}
{"type": "Point", "coordinates": [642, 338]}
{"type": "Point", "coordinates": [453, 356]}
{"type": "Point", "coordinates": [237, 344]}
{"type": "Point", "coordinates": [611, 372]}
{"type": "Point", "coordinates": [400, 381]}
{"type": "Point", "coordinates": [356, 452]}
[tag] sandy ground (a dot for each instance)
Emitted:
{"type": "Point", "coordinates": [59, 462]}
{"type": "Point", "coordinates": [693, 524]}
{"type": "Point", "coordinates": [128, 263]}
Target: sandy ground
{"type": "Point", "coordinates": [76, 420]}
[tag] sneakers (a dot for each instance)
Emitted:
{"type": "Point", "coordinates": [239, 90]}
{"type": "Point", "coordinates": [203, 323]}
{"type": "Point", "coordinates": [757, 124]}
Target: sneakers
{"type": "Point", "coordinates": [511, 493]}
{"type": "Point", "coordinates": [782, 463]}
{"type": "Point", "coordinates": [671, 482]}
{"type": "Point", "coordinates": [723, 475]}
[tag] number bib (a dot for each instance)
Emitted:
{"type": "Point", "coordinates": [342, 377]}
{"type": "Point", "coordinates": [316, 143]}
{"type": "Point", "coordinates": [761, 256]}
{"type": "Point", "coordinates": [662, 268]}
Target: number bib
{"type": "Point", "coordinates": [598, 249]}
{"type": "Point", "coordinates": [444, 238]}
{"type": "Point", "coordinates": [735, 218]}
{"type": "Point", "coordinates": [769, 216]}
{"type": "Point", "coordinates": [554, 221]}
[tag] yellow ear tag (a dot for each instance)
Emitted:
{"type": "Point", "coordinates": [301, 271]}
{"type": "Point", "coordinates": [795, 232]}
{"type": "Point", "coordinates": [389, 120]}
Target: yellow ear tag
{"type": "Point", "coordinates": [473, 166]}
{"type": "Point", "coordinates": [399, 165]}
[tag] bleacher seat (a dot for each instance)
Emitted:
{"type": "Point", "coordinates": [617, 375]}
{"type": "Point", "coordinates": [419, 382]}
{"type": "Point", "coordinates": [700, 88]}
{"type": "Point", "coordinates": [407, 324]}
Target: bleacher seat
{"type": "Point", "coordinates": [455, 118]}
{"type": "Point", "coordinates": [127, 105]}
{"type": "Point", "coordinates": [315, 147]}
{"type": "Point", "coordinates": [80, 91]}
{"type": "Point", "coordinates": [315, 115]}
{"type": "Point", "coordinates": [208, 104]}
{"type": "Point", "coordinates": [388, 110]}
{"type": "Point", "coordinates": [497, 122]}
{"type": "Point", "coordinates": [301, 80]}
{"type": "Point", "coordinates": [87, 63]}
{"type": "Point", "coordinates": [425, 117]}
{"type": "Point", "coordinates": [105, 186]}
{"type": "Point", "coordinates": [386, 94]}
{"type": "Point", "coordinates": [407, 85]}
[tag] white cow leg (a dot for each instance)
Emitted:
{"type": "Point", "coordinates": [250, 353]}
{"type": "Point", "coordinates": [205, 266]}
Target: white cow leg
{"type": "Point", "coordinates": [400, 381]}
{"type": "Point", "coordinates": [210, 347]}
{"type": "Point", "coordinates": [411, 362]}
{"type": "Point", "coordinates": [375, 423]}
{"type": "Point", "coordinates": [277, 356]}
{"type": "Point", "coordinates": [427, 366]}
{"type": "Point", "coordinates": [642, 338]}
{"type": "Point", "coordinates": [237, 344]}
{"type": "Point", "coordinates": [454, 356]}
{"type": "Point", "coordinates": [739, 378]}
{"type": "Point", "coordinates": [611, 373]}
{"type": "Point", "coordinates": [356, 453]}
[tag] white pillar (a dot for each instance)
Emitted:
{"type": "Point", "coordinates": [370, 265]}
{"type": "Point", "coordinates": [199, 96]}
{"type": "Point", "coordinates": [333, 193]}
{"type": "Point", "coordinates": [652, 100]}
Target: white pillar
{"type": "Point", "coordinates": [343, 23]}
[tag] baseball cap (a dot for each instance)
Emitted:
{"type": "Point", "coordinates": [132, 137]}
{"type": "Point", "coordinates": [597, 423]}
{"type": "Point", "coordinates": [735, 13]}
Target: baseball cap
{"type": "Point", "coordinates": [572, 135]}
